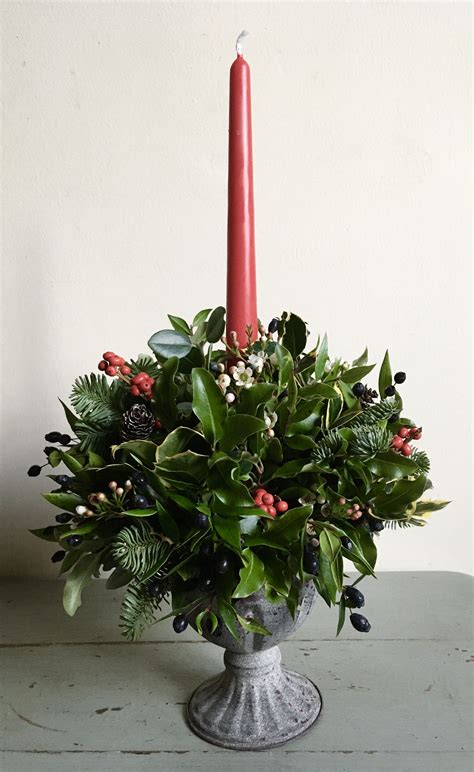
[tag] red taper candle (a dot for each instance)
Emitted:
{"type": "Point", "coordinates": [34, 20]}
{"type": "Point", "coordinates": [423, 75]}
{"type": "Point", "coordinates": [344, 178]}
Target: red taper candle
{"type": "Point", "coordinates": [241, 274]}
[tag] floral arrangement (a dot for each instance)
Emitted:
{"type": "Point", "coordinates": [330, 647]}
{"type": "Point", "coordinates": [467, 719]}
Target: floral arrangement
{"type": "Point", "coordinates": [227, 469]}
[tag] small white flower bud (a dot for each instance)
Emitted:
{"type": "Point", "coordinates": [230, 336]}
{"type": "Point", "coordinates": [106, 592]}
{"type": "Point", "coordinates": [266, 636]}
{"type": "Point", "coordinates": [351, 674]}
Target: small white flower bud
{"type": "Point", "coordinates": [320, 499]}
{"type": "Point", "coordinates": [270, 432]}
{"type": "Point", "coordinates": [232, 369]}
{"type": "Point", "coordinates": [113, 485]}
{"type": "Point", "coordinates": [80, 510]}
{"type": "Point", "coordinates": [128, 485]}
{"type": "Point", "coordinates": [229, 398]}
{"type": "Point", "coordinates": [268, 421]}
{"type": "Point", "coordinates": [119, 491]}
{"type": "Point", "coordinates": [240, 363]}
{"type": "Point", "coordinates": [223, 380]}
{"type": "Point", "coordinates": [345, 365]}
{"type": "Point", "coordinates": [263, 338]}
{"type": "Point", "coordinates": [220, 367]}
{"type": "Point", "coordinates": [101, 497]}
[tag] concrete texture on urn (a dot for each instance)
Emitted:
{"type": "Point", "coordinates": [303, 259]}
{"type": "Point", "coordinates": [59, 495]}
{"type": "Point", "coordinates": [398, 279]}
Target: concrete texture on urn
{"type": "Point", "coordinates": [255, 703]}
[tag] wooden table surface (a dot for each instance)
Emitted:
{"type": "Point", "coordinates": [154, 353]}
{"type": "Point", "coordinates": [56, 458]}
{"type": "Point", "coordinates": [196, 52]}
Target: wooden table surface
{"type": "Point", "coordinates": [75, 696]}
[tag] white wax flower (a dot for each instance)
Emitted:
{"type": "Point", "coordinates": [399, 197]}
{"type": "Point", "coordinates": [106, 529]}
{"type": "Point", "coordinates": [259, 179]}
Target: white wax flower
{"type": "Point", "coordinates": [243, 376]}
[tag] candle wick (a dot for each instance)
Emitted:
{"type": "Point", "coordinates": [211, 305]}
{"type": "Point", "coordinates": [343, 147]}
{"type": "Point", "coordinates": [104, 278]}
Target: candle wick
{"type": "Point", "coordinates": [238, 44]}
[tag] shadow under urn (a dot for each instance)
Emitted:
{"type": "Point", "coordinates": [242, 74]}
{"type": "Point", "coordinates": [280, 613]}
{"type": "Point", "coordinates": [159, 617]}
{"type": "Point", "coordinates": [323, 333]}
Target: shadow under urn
{"type": "Point", "coordinates": [256, 703]}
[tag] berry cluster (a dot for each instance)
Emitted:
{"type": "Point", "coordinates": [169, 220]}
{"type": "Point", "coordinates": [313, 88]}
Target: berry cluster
{"type": "Point", "coordinates": [272, 505]}
{"type": "Point", "coordinates": [141, 384]}
{"type": "Point", "coordinates": [113, 364]}
{"type": "Point", "coordinates": [400, 442]}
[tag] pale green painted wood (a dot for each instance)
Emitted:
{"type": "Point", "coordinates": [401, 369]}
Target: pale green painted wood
{"type": "Point", "coordinates": [396, 699]}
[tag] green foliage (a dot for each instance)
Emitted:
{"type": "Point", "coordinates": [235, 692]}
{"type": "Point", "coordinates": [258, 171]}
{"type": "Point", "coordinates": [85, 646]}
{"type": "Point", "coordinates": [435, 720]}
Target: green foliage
{"type": "Point", "coordinates": [161, 508]}
{"type": "Point", "coordinates": [137, 611]}
{"type": "Point", "coordinates": [139, 550]}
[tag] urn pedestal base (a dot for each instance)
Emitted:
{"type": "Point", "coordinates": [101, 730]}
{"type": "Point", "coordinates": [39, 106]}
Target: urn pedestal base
{"type": "Point", "coordinates": [254, 704]}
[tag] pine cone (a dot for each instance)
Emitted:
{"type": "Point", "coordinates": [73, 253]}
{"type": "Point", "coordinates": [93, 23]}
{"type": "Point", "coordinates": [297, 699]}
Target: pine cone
{"type": "Point", "coordinates": [137, 423]}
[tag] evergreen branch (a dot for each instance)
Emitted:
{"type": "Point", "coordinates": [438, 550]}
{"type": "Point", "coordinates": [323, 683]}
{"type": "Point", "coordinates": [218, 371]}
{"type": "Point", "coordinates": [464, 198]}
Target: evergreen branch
{"type": "Point", "coordinates": [137, 611]}
{"type": "Point", "coordinates": [327, 447]}
{"type": "Point", "coordinates": [138, 549]}
{"type": "Point", "coordinates": [97, 401]}
{"type": "Point", "coordinates": [368, 441]}
{"type": "Point", "coordinates": [421, 459]}
{"type": "Point", "coordinates": [374, 414]}
{"type": "Point", "coordinates": [145, 364]}
{"type": "Point", "coordinates": [94, 436]}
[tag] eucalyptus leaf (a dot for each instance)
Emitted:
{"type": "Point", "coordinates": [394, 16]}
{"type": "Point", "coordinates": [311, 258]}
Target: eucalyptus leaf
{"type": "Point", "coordinates": [170, 343]}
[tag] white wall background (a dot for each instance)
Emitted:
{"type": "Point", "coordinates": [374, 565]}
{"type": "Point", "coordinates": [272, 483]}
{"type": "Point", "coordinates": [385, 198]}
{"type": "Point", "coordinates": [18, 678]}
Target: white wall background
{"type": "Point", "coordinates": [114, 208]}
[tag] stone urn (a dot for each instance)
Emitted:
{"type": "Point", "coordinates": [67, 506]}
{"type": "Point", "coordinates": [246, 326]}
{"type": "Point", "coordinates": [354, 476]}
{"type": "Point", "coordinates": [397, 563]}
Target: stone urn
{"type": "Point", "coordinates": [256, 703]}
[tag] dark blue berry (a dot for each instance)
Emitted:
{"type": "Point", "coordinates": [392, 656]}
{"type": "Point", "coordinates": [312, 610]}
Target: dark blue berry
{"type": "Point", "coordinates": [180, 623]}
{"type": "Point", "coordinates": [400, 377]}
{"type": "Point", "coordinates": [74, 540]}
{"type": "Point", "coordinates": [58, 556]}
{"type": "Point", "coordinates": [273, 326]}
{"type": "Point", "coordinates": [64, 517]}
{"type": "Point", "coordinates": [139, 479]}
{"type": "Point", "coordinates": [390, 391]}
{"type": "Point", "coordinates": [34, 471]}
{"type": "Point", "coordinates": [215, 368]}
{"type": "Point", "coordinates": [48, 451]}
{"type": "Point", "coordinates": [53, 436]}
{"type": "Point", "coordinates": [140, 502]}
{"type": "Point", "coordinates": [346, 542]}
{"type": "Point", "coordinates": [205, 584]}
{"type": "Point", "coordinates": [360, 623]}
{"type": "Point", "coordinates": [358, 389]}
{"type": "Point", "coordinates": [63, 480]}
{"type": "Point", "coordinates": [376, 525]}
{"type": "Point", "coordinates": [394, 418]}
{"type": "Point", "coordinates": [310, 562]}
{"type": "Point", "coordinates": [65, 439]}
{"type": "Point", "coordinates": [201, 520]}
{"type": "Point", "coordinates": [223, 565]}
{"type": "Point", "coordinates": [354, 596]}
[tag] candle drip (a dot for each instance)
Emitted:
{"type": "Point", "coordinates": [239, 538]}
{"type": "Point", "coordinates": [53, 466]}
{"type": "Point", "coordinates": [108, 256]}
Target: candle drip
{"type": "Point", "coordinates": [238, 44]}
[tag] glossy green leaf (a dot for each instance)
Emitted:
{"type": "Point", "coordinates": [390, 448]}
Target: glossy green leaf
{"type": "Point", "coordinates": [209, 404]}
{"type": "Point", "coordinates": [250, 399]}
{"type": "Point", "coordinates": [144, 450]}
{"type": "Point", "coordinates": [141, 512]}
{"type": "Point", "coordinates": [385, 375]}
{"type": "Point", "coordinates": [389, 465]}
{"type": "Point", "coordinates": [228, 615]}
{"type": "Point", "coordinates": [329, 544]}
{"type": "Point", "coordinates": [362, 360]}
{"type": "Point", "coordinates": [170, 343]}
{"type": "Point", "coordinates": [118, 578]}
{"type": "Point", "coordinates": [251, 575]}
{"type": "Point", "coordinates": [295, 335]}
{"type": "Point", "coordinates": [165, 392]}
{"type": "Point", "coordinates": [318, 390]}
{"type": "Point", "coordinates": [67, 501]}
{"type": "Point", "coordinates": [237, 428]}
{"type": "Point", "coordinates": [216, 325]}
{"type": "Point", "coordinates": [187, 468]}
{"type": "Point", "coordinates": [181, 439]}
{"type": "Point", "coordinates": [79, 577]}
{"type": "Point", "coordinates": [201, 316]}
{"type": "Point", "coordinates": [179, 324]}
{"type": "Point", "coordinates": [430, 505]}
{"type": "Point", "coordinates": [355, 374]}
{"type": "Point", "coordinates": [403, 493]}
{"type": "Point", "coordinates": [70, 461]}
{"type": "Point", "coordinates": [342, 615]}
{"type": "Point", "coordinates": [321, 359]}
{"type": "Point", "coordinates": [228, 529]}
{"type": "Point", "coordinates": [285, 366]}
{"type": "Point", "coordinates": [224, 483]}
{"type": "Point", "coordinates": [251, 625]}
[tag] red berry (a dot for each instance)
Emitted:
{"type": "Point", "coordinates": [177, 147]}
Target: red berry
{"type": "Point", "coordinates": [403, 432]}
{"type": "Point", "coordinates": [407, 449]}
{"type": "Point", "coordinates": [397, 442]}
{"type": "Point", "coordinates": [271, 511]}
{"type": "Point", "coordinates": [107, 355]}
{"type": "Point", "coordinates": [264, 508]}
{"type": "Point", "coordinates": [158, 424]}
{"type": "Point", "coordinates": [268, 499]}
{"type": "Point", "coordinates": [415, 433]}
{"type": "Point", "coordinates": [111, 370]}
{"type": "Point", "coordinates": [135, 391]}
{"type": "Point", "coordinates": [125, 370]}
{"type": "Point", "coordinates": [115, 360]}
{"type": "Point", "coordinates": [139, 378]}
{"type": "Point", "coordinates": [259, 492]}
{"type": "Point", "coordinates": [281, 507]}
{"type": "Point", "coordinates": [145, 386]}
{"type": "Point", "coordinates": [102, 364]}
{"type": "Point", "coordinates": [257, 500]}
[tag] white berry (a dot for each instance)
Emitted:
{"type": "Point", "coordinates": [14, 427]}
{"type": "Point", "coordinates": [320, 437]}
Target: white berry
{"type": "Point", "coordinates": [229, 398]}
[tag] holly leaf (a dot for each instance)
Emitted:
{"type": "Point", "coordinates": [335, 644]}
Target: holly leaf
{"type": "Point", "coordinates": [237, 428]}
{"type": "Point", "coordinates": [209, 404]}
{"type": "Point", "coordinates": [252, 575]}
{"type": "Point", "coordinates": [295, 335]}
{"type": "Point", "coordinates": [403, 493]}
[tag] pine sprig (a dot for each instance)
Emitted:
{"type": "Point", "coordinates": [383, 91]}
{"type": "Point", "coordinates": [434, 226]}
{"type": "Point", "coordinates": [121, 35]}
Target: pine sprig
{"type": "Point", "coordinates": [96, 400]}
{"type": "Point", "coordinates": [138, 549]}
{"type": "Point", "coordinates": [145, 364]}
{"type": "Point", "coordinates": [137, 611]}
{"type": "Point", "coordinates": [327, 447]}
{"type": "Point", "coordinates": [376, 413]}
{"type": "Point", "coordinates": [421, 459]}
{"type": "Point", "coordinates": [367, 442]}
{"type": "Point", "coordinates": [95, 436]}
